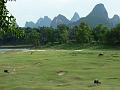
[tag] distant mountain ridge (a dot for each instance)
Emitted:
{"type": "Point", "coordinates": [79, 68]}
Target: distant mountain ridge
{"type": "Point", "coordinates": [98, 15]}
{"type": "Point", "coordinates": [30, 24]}
{"type": "Point", "coordinates": [115, 20]}
{"type": "Point", "coordinates": [60, 19]}
{"type": "Point", "coordinates": [43, 22]}
{"type": "Point", "coordinates": [75, 17]}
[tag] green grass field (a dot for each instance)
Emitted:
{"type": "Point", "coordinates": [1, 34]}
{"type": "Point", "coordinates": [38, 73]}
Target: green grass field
{"type": "Point", "coordinates": [60, 70]}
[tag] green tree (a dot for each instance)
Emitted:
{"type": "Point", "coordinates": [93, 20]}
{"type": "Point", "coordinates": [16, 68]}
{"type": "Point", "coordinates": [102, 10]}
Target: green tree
{"type": "Point", "coordinates": [113, 36]}
{"type": "Point", "coordinates": [47, 35]}
{"type": "Point", "coordinates": [62, 33]}
{"type": "Point", "coordinates": [7, 23]}
{"type": "Point", "coordinates": [83, 33]}
{"type": "Point", "coordinates": [33, 37]}
{"type": "Point", "coordinates": [100, 33]}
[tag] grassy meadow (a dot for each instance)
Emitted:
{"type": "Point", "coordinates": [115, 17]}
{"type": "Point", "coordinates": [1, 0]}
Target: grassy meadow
{"type": "Point", "coordinates": [60, 70]}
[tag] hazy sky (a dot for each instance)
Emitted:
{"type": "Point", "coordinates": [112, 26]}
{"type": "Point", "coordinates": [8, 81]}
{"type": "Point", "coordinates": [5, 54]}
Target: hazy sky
{"type": "Point", "coordinates": [32, 10]}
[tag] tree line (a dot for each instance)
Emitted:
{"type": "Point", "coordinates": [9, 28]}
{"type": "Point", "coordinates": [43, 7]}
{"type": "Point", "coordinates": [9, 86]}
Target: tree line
{"type": "Point", "coordinates": [80, 34]}
{"type": "Point", "coordinates": [11, 34]}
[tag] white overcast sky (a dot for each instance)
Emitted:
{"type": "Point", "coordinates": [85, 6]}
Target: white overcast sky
{"type": "Point", "coordinates": [32, 10]}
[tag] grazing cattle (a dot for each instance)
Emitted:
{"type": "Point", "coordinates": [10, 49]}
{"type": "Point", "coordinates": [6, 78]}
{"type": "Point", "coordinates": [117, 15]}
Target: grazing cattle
{"type": "Point", "coordinates": [97, 82]}
{"type": "Point", "coordinates": [101, 54]}
{"type": "Point", "coordinates": [6, 71]}
{"type": "Point", "coordinates": [31, 53]}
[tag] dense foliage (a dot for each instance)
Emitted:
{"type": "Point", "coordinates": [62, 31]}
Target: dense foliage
{"type": "Point", "coordinates": [8, 26]}
{"type": "Point", "coordinates": [10, 34]}
{"type": "Point", "coordinates": [81, 34]}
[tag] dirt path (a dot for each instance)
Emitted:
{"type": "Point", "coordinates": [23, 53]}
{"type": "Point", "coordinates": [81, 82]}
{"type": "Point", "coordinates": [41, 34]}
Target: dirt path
{"type": "Point", "coordinates": [28, 50]}
{"type": "Point", "coordinates": [52, 50]}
